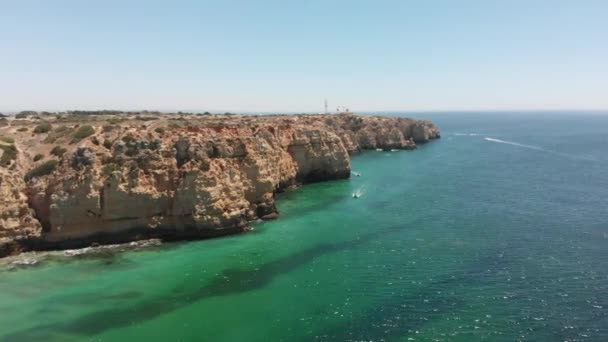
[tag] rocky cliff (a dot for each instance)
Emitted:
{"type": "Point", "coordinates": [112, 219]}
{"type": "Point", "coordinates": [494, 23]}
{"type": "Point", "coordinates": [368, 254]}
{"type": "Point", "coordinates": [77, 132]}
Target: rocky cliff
{"type": "Point", "coordinates": [174, 179]}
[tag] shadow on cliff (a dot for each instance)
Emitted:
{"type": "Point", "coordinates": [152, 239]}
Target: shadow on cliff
{"type": "Point", "coordinates": [230, 281]}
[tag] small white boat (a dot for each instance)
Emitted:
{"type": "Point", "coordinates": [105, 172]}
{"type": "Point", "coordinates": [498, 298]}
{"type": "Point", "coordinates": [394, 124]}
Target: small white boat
{"type": "Point", "coordinates": [358, 192]}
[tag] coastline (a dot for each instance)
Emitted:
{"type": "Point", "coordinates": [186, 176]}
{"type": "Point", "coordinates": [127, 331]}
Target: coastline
{"type": "Point", "coordinates": [109, 245]}
{"type": "Point", "coordinates": [201, 180]}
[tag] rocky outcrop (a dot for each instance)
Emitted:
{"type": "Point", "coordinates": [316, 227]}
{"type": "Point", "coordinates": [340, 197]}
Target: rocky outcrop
{"type": "Point", "coordinates": [373, 132]}
{"type": "Point", "coordinates": [17, 220]}
{"type": "Point", "coordinates": [205, 179]}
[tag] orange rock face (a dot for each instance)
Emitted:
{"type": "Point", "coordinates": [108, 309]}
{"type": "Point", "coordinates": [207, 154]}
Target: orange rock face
{"type": "Point", "coordinates": [209, 178]}
{"type": "Point", "coordinates": [17, 220]}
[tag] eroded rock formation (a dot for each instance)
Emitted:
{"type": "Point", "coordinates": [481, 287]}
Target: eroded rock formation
{"type": "Point", "coordinates": [205, 178]}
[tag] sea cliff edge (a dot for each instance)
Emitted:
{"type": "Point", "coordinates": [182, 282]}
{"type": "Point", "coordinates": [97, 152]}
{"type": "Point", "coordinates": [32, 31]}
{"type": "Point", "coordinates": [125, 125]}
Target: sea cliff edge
{"type": "Point", "coordinates": [69, 181]}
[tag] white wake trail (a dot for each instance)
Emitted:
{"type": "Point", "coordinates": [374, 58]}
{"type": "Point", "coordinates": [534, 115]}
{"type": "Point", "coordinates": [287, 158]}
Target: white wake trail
{"type": "Point", "coordinates": [532, 147]}
{"type": "Point", "coordinates": [468, 134]}
{"type": "Point", "coordinates": [537, 148]}
{"type": "Point", "coordinates": [359, 192]}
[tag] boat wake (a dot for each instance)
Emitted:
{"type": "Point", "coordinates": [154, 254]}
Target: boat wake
{"type": "Point", "coordinates": [359, 192]}
{"type": "Point", "coordinates": [538, 148]}
{"type": "Point", "coordinates": [532, 147]}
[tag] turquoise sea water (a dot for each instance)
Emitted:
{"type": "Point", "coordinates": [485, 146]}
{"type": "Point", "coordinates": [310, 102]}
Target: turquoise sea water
{"type": "Point", "coordinates": [496, 232]}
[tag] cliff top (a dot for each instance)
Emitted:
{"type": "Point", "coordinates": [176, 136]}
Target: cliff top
{"type": "Point", "coordinates": [30, 138]}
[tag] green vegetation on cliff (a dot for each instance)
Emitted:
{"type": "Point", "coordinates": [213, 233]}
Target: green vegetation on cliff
{"type": "Point", "coordinates": [57, 133]}
{"type": "Point", "coordinates": [58, 151]}
{"type": "Point", "coordinates": [109, 112]}
{"type": "Point", "coordinates": [108, 169]}
{"type": "Point", "coordinates": [83, 132]}
{"type": "Point", "coordinates": [44, 127]}
{"type": "Point", "coordinates": [7, 140]}
{"type": "Point", "coordinates": [24, 114]}
{"type": "Point", "coordinates": [43, 169]}
{"type": "Point", "coordinates": [95, 112]}
{"type": "Point", "coordinates": [9, 154]}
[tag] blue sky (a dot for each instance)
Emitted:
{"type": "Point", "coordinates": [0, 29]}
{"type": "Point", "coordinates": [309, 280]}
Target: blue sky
{"type": "Point", "coordinates": [290, 55]}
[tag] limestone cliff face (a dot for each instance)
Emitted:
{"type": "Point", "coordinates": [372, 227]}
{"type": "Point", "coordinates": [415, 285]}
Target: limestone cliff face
{"type": "Point", "coordinates": [373, 132]}
{"type": "Point", "coordinates": [131, 182]}
{"type": "Point", "coordinates": [17, 220]}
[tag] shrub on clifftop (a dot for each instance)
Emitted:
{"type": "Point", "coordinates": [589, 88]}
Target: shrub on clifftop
{"type": "Point", "coordinates": [9, 154]}
{"type": "Point", "coordinates": [43, 169]}
{"type": "Point", "coordinates": [108, 169]}
{"type": "Point", "coordinates": [43, 128]}
{"type": "Point", "coordinates": [128, 139]}
{"type": "Point", "coordinates": [107, 144]}
{"type": "Point", "coordinates": [57, 133]}
{"type": "Point", "coordinates": [24, 114]}
{"type": "Point", "coordinates": [116, 121]}
{"type": "Point", "coordinates": [7, 140]}
{"type": "Point", "coordinates": [58, 151]}
{"type": "Point", "coordinates": [83, 132]}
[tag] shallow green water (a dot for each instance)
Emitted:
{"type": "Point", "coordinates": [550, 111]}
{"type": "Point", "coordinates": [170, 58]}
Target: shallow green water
{"type": "Point", "coordinates": [464, 239]}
